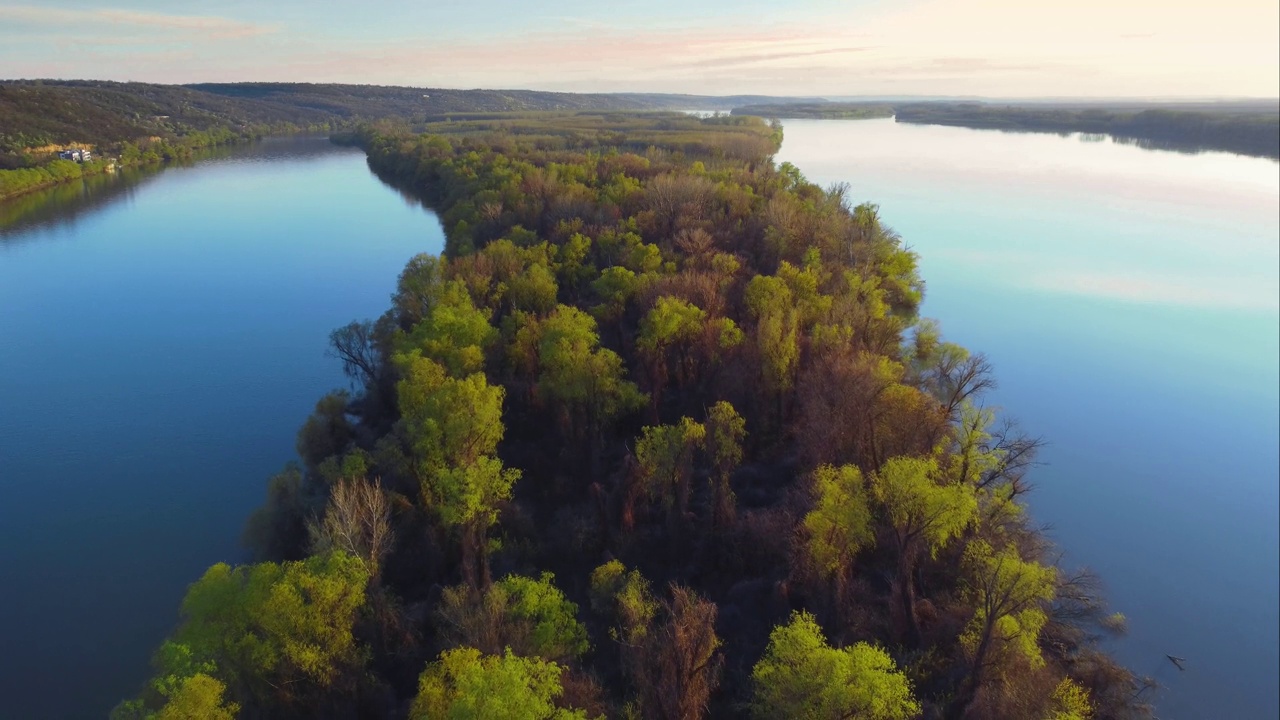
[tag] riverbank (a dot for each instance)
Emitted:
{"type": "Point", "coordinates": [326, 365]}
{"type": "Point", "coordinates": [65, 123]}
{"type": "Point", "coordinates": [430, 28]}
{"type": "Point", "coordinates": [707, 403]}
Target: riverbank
{"type": "Point", "coordinates": [21, 181]}
{"type": "Point", "coordinates": [1246, 128]}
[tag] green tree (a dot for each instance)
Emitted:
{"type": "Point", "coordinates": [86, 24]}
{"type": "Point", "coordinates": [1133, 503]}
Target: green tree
{"type": "Point", "coordinates": [667, 333]}
{"type": "Point", "coordinates": [449, 421]}
{"type": "Point", "coordinates": [281, 631]}
{"type": "Point", "coordinates": [455, 333]}
{"type": "Point", "coordinates": [453, 426]}
{"type": "Point", "coordinates": [803, 678]}
{"type": "Point", "coordinates": [198, 698]}
{"type": "Point", "coordinates": [922, 514]}
{"type": "Point", "coordinates": [665, 457]}
{"type": "Point", "coordinates": [1009, 596]}
{"type": "Point", "coordinates": [534, 290]}
{"type": "Point", "coordinates": [623, 596]}
{"type": "Point", "coordinates": [725, 431]}
{"type": "Point", "coordinates": [1070, 701]}
{"type": "Point", "coordinates": [839, 526]}
{"type": "Point", "coordinates": [418, 289]}
{"type": "Point", "coordinates": [587, 380]}
{"type": "Point", "coordinates": [185, 689]}
{"type": "Point", "coordinates": [615, 287]}
{"type": "Point", "coordinates": [529, 616]}
{"type": "Point", "coordinates": [772, 304]}
{"type": "Point", "coordinates": [463, 684]}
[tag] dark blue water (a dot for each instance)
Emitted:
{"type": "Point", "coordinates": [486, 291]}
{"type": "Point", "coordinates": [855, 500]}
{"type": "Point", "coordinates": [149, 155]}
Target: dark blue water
{"type": "Point", "coordinates": [1130, 302]}
{"type": "Point", "coordinates": [162, 337]}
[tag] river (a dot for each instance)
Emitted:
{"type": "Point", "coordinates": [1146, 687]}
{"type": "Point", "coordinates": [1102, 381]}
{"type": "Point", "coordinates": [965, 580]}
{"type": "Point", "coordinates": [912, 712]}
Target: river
{"type": "Point", "coordinates": [1129, 300]}
{"type": "Point", "coordinates": [162, 338]}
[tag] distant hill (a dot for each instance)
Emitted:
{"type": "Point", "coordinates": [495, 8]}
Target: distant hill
{"type": "Point", "coordinates": [369, 101]}
{"type": "Point", "coordinates": [40, 113]}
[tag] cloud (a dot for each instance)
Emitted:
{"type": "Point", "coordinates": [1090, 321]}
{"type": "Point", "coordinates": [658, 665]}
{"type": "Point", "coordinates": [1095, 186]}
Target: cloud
{"type": "Point", "coordinates": [218, 28]}
{"type": "Point", "coordinates": [730, 60]}
{"type": "Point", "coordinates": [1207, 292]}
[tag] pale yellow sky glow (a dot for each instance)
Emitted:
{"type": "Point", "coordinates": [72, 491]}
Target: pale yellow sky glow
{"type": "Point", "coordinates": [1010, 48]}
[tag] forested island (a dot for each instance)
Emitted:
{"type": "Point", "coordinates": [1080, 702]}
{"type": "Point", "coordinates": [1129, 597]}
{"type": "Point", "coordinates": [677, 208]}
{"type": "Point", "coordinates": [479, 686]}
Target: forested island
{"type": "Point", "coordinates": [1245, 128]}
{"type": "Point", "coordinates": [661, 435]}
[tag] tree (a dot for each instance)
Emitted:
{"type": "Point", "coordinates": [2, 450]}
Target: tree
{"type": "Point", "coordinates": [623, 596]}
{"type": "Point", "coordinates": [945, 370]}
{"type": "Point", "coordinates": [669, 648]}
{"type": "Point", "coordinates": [725, 431]}
{"type": "Point", "coordinates": [667, 333]}
{"type": "Point", "coordinates": [453, 426]}
{"type": "Point", "coordinates": [615, 287]}
{"type": "Point", "coordinates": [531, 617]}
{"type": "Point", "coordinates": [185, 690]}
{"type": "Point", "coordinates": [679, 662]}
{"type": "Point", "coordinates": [588, 380]}
{"type": "Point", "coordinates": [771, 302]}
{"type": "Point", "coordinates": [273, 631]}
{"type": "Point", "coordinates": [1070, 701]}
{"type": "Point", "coordinates": [354, 344]}
{"type": "Point", "coordinates": [665, 457]}
{"type": "Point", "coordinates": [533, 290]}
{"type": "Point", "coordinates": [357, 521]}
{"type": "Point", "coordinates": [450, 422]}
{"type": "Point", "coordinates": [676, 197]}
{"type": "Point", "coordinates": [417, 289]}
{"type": "Point", "coordinates": [803, 678]}
{"type": "Point", "coordinates": [276, 531]}
{"type": "Point", "coordinates": [922, 514]}
{"type": "Point", "coordinates": [1010, 596]}
{"type": "Point", "coordinates": [839, 526]}
{"type": "Point", "coordinates": [454, 333]}
{"type": "Point", "coordinates": [327, 432]}
{"type": "Point", "coordinates": [198, 698]}
{"type": "Point", "coordinates": [463, 684]}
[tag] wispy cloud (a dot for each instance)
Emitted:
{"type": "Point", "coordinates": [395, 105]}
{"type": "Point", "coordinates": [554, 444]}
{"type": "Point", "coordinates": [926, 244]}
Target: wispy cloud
{"type": "Point", "coordinates": [1207, 292]}
{"type": "Point", "coordinates": [753, 58]}
{"type": "Point", "coordinates": [212, 27]}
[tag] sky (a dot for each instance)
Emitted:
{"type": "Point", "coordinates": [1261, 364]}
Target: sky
{"type": "Point", "coordinates": [991, 48]}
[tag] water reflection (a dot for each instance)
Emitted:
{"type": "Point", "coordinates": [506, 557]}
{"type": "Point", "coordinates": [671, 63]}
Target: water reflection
{"type": "Point", "coordinates": [63, 205]}
{"type": "Point", "coordinates": [35, 214]}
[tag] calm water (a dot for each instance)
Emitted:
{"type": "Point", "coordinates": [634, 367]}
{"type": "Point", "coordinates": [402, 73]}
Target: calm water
{"type": "Point", "coordinates": [162, 337]}
{"type": "Point", "coordinates": [1130, 302]}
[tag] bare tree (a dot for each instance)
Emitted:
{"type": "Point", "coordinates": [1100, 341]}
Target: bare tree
{"type": "Point", "coordinates": [674, 198]}
{"type": "Point", "coordinates": [355, 346]}
{"type": "Point", "coordinates": [679, 661]}
{"type": "Point", "coordinates": [357, 520]}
